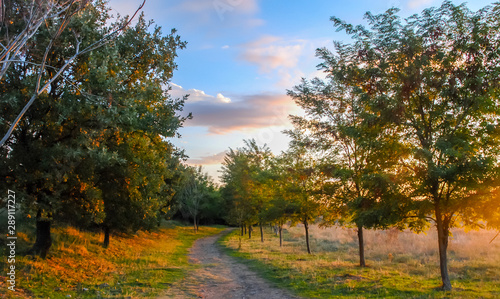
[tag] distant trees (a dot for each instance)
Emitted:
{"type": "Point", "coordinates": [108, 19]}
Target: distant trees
{"type": "Point", "coordinates": [245, 174]}
{"type": "Point", "coordinates": [197, 196]}
{"type": "Point", "coordinates": [93, 149]}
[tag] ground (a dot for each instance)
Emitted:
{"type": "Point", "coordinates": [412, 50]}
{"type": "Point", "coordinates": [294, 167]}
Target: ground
{"type": "Point", "coordinates": [221, 276]}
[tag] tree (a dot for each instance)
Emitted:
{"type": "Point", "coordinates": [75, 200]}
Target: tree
{"type": "Point", "coordinates": [356, 151]}
{"type": "Point", "coordinates": [244, 173]}
{"type": "Point", "coordinates": [435, 77]}
{"type": "Point", "coordinates": [235, 177]}
{"type": "Point", "coordinates": [56, 17]}
{"type": "Point", "coordinates": [279, 208]}
{"type": "Point", "coordinates": [94, 149]}
{"type": "Point", "coordinates": [259, 158]}
{"type": "Point", "coordinates": [301, 188]}
{"type": "Point", "coordinates": [195, 192]}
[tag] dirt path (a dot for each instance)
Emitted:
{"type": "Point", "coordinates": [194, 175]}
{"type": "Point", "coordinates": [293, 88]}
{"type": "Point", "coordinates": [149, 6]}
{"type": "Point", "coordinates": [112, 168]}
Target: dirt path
{"type": "Point", "coordinates": [221, 277]}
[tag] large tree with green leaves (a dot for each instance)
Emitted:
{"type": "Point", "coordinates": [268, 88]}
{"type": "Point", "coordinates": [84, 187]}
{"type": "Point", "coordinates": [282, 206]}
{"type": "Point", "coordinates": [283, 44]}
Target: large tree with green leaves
{"type": "Point", "coordinates": [93, 149]}
{"type": "Point", "coordinates": [26, 43]}
{"type": "Point", "coordinates": [356, 152]}
{"type": "Point", "coordinates": [435, 77]}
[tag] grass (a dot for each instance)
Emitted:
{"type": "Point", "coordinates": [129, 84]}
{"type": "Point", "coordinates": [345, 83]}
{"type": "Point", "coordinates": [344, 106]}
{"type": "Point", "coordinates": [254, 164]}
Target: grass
{"type": "Point", "coordinates": [142, 265]}
{"type": "Point", "coordinates": [400, 264]}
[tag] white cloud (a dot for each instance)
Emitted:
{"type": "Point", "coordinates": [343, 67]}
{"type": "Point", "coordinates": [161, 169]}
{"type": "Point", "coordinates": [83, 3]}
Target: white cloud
{"type": "Point", "coordinates": [223, 99]}
{"type": "Point", "coordinates": [196, 95]}
{"type": "Point", "coordinates": [225, 47]}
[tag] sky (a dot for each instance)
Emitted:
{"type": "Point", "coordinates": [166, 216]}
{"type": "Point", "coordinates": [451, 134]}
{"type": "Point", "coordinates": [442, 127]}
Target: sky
{"type": "Point", "coordinates": [241, 58]}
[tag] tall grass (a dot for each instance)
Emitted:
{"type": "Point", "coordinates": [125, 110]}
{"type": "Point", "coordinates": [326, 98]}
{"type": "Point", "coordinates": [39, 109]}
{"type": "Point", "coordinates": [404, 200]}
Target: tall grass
{"type": "Point", "coordinates": [400, 264]}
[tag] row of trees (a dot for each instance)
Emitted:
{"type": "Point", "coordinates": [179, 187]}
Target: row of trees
{"type": "Point", "coordinates": [403, 132]}
{"type": "Point", "coordinates": [92, 150]}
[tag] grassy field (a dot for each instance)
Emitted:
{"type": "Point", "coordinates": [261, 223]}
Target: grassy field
{"type": "Point", "coordinates": [400, 264]}
{"type": "Point", "coordinates": [142, 265]}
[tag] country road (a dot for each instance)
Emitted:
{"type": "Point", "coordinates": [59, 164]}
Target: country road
{"type": "Point", "coordinates": [221, 277]}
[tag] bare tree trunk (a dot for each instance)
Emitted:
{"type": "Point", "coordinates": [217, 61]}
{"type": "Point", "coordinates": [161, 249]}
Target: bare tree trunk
{"type": "Point", "coordinates": [105, 244]}
{"type": "Point", "coordinates": [194, 223]}
{"type": "Point", "coordinates": [245, 228]}
{"type": "Point", "coordinates": [261, 233]}
{"type": "Point", "coordinates": [241, 230]}
{"type": "Point", "coordinates": [443, 233]}
{"type": "Point", "coordinates": [43, 240]}
{"type": "Point", "coordinates": [306, 226]}
{"type": "Point", "coordinates": [249, 231]}
{"type": "Point", "coordinates": [280, 229]}
{"type": "Point", "coordinates": [361, 244]}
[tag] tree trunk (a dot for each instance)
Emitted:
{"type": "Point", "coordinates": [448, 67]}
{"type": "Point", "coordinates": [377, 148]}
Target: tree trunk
{"type": "Point", "coordinates": [443, 233]}
{"type": "Point", "coordinates": [242, 230]}
{"type": "Point", "coordinates": [361, 244]}
{"type": "Point", "coordinates": [249, 231]}
{"type": "Point", "coordinates": [194, 224]}
{"type": "Point", "coordinates": [306, 226]}
{"type": "Point", "coordinates": [261, 233]}
{"type": "Point", "coordinates": [43, 238]}
{"type": "Point", "coordinates": [245, 228]}
{"type": "Point", "coordinates": [105, 244]}
{"type": "Point", "coordinates": [280, 229]}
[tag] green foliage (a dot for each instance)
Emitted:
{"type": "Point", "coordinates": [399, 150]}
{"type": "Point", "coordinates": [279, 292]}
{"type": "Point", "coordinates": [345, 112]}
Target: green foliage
{"type": "Point", "coordinates": [409, 118]}
{"type": "Point", "coordinates": [198, 197]}
{"type": "Point", "coordinates": [245, 173]}
{"type": "Point", "coordinates": [93, 148]}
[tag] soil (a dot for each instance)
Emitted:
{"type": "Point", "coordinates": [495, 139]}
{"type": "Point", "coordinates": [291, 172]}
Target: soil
{"type": "Point", "coordinates": [221, 277]}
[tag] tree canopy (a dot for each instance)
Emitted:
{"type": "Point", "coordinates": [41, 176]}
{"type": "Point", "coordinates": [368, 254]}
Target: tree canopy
{"type": "Point", "coordinates": [93, 149]}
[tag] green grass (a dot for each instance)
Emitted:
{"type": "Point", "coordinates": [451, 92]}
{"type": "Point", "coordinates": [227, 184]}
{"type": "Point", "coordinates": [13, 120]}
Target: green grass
{"type": "Point", "coordinates": [397, 268]}
{"type": "Point", "coordinates": [142, 265]}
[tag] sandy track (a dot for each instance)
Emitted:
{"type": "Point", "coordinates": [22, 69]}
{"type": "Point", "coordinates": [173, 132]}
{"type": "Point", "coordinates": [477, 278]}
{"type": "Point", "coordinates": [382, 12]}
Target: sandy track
{"type": "Point", "coordinates": [221, 277]}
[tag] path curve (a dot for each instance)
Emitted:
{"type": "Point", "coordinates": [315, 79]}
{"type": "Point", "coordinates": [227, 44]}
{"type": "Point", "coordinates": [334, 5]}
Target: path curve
{"type": "Point", "coordinates": [221, 277]}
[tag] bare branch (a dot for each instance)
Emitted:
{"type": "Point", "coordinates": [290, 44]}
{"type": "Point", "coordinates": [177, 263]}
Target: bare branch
{"type": "Point", "coordinates": [495, 237]}
{"type": "Point", "coordinates": [114, 34]}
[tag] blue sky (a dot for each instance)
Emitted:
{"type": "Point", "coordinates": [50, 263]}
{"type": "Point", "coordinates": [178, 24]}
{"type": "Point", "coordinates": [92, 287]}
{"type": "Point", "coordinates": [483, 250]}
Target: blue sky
{"type": "Point", "coordinates": [243, 55]}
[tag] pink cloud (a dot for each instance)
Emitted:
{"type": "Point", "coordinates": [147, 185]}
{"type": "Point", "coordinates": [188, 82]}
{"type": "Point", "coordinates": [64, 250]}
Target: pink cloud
{"type": "Point", "coordinates": [270, 53]}
{"type": "Point", "coordinates": [208, 160]}
{"type": "Point", "coordinates": [222, 115]}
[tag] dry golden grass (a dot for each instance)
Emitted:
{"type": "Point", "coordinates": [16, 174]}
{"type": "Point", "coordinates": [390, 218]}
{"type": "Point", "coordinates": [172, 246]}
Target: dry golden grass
{"type": "Point", "coordinates": [143, 264]}
{"type": "Point", "coordinates": [400, 264]}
